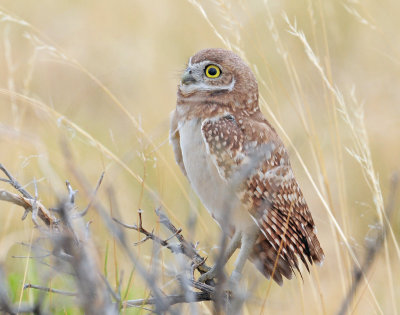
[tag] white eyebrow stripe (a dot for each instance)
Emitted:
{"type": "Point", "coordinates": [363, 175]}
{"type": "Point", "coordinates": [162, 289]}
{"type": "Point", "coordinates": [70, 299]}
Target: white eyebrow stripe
{"type": "Point", "coordinates": [190, 62]}
{"type": "Point", "coordinates": [201, 86]}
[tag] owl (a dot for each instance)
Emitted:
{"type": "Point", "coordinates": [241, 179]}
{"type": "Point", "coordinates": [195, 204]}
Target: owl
{"type": "Point", "coordinates": [240, 168]}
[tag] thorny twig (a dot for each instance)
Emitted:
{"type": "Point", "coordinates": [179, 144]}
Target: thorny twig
{"type": "Point", "coordinates": [207, 292]}
{"type": "Point", "coordinates": [171, 299]}
{"type": "Point", "coordinates": [84, 212]}
{"type": "Point", "coordinates": [183, 247]}
{"type": "Point", "coordinates": [70, 247]}
{"type": "Point", "coordinates": [161, 300]}
{"type": "Point", "coordinates": [42, 288]}
{"type": "Point", "coordinates": [161, 305]}
{"type": "Point", "coordinates": [186, 248]}
{"type": "Point", "coordinates": [72, 253]}
{"type": "Point", "coordinates": [72, 250]}
{"type": "Point", "coordinates": [13, 182]}
{"type": "Point", "coordinates": [25, 200]}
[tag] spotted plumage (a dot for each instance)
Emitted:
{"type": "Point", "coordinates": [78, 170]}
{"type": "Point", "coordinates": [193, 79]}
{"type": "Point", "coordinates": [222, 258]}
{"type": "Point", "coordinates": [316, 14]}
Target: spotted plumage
{"type": "Point", "coordinates": [227, 149]}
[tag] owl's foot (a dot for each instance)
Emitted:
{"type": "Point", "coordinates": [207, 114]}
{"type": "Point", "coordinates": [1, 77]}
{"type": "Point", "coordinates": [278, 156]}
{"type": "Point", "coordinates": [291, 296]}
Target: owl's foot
{"type": "Point", "coordinates": [209, 275]}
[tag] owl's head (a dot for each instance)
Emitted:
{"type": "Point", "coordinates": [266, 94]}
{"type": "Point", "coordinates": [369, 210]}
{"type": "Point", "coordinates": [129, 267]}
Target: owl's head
{"type": "Point", "coordinates": [218, 72]}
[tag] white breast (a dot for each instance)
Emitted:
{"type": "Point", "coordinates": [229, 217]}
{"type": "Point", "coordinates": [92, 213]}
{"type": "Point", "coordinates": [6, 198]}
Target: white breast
{"type": "Point", "coordinates": [212, 190]}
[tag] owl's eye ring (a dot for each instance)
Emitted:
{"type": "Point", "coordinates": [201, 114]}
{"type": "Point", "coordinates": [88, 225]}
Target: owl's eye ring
{"type": "Point", "coordinates": [212, 71]}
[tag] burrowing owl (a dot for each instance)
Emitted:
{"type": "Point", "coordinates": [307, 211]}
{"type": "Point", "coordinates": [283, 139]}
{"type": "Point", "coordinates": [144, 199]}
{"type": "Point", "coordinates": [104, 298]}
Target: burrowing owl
{"type": "Point", "coordinates": [229, 151]}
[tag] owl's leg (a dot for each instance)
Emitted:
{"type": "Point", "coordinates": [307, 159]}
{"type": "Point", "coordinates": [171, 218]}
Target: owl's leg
{"type": "Point", "coordinates": [232, 246]}
{"type": "Point", "coordinates": [248, 241]}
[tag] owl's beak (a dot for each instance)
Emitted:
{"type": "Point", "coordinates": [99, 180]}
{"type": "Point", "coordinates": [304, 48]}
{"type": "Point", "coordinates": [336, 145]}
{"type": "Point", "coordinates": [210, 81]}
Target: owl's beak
{"type": "Point", "coordinates": [187, 78]}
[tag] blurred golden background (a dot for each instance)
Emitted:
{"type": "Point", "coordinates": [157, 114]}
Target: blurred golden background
{"type": "Point", "coordinates": [98, 78]}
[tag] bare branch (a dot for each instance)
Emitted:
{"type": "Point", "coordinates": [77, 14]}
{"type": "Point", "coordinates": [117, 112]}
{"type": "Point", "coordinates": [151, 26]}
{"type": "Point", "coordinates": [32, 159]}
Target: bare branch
{"type": "Point", "coordinates": [13, 182]}
{"type": "Point", "coordinates": [70, 246]}
{"type": "Point", "coordinates": [84, 212]}
{"type": "Point", "coordinates": [148, 235]}
{"type": "Point", "coordinates": [373, 248]}
{"type": "Point", "coordinates": [29, 204]}
{"type": "Point", "coordinates": [184, 247]}
{"type": "Point", "coordinates": [71, 192]}
{"type": "Point", "coordinates": [39, 287]}
{"type": "Point", "coordinates": [187, 248]}
{"type": "Point", "coordinates": [171, 300]}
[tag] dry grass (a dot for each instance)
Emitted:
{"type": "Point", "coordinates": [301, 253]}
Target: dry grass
{"type": "Point", "coordinates": [100, 79]}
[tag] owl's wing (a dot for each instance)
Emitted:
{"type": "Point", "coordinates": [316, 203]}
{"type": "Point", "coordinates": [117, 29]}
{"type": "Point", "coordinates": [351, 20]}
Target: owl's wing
{"type": "Point", "coordinates": [288, 229]}
{"type": "Point", "coordinates": [270, 190]}
{"type": "Point", "coordinates": [174, 138]}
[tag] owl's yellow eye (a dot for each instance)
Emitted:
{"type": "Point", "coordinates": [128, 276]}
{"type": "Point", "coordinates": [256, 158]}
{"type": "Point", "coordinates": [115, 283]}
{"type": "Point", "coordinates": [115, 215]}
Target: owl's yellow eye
{"type": "Point", "coordinates": [212, 71]}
